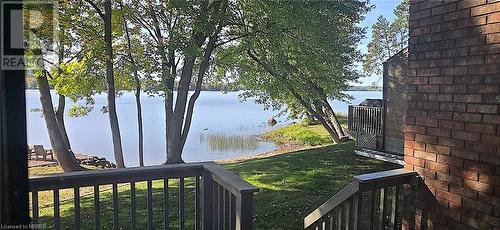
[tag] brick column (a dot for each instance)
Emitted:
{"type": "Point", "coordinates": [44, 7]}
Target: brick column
{"type": "Point", "coordinates": [452, 136]}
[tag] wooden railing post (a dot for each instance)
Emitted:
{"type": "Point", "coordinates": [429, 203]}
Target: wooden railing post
{"type": "Point", "coordinates": [206, 200]}
{"type": "Point", "coordinates": [244, 211]}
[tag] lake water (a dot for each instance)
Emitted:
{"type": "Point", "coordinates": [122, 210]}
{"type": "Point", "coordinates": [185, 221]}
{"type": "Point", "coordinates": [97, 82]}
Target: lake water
{"type": "Point", "coordinates": [222, 127]}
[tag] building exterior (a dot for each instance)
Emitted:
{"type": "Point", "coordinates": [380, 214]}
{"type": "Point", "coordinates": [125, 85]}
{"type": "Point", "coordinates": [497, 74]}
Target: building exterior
{"type": "Point", "coordinates": [452, 136]}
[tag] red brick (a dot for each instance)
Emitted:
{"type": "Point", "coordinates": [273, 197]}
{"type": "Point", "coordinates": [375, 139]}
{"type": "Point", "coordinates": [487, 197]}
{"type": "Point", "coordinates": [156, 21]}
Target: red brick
{"type": "Point", "coordinates": [417, 80]}
{"type": "Point", "coordinates": [425, 155]}
{"type": "Point", "coordinates": [493, 38]}
{"type": "Point", "coordinates": [480, 127]}
{"type": "Point", "coordinates": [490, 139]}
{"type": "Point", "coordinates": [451, 142]}
{"type": "Point", "coordinates": [439, 132]}
{"type": "Point", "coordinates": [495, 17]}
{"type": "Point", "coordinates": [464, 154]}
{"type": "Point", "coordinates": [464, 173]}
{"type": "Point", "coordinates": [414, 145]}
{"type": "Point", "coordinates": [468, 98]}
{"type": "Point", "coordinates": [492, 99]}
{"type": "Point", "coordinates": [492, 59]}
{"type": "Point", "coordinates": [427, 122]}
{"type": "Point", "coordinates": [472, 117]}
{"type": "Point", "coordinates": [473, 203]}
{"type": "Point", "coordinates": [474, 223]}
{"type": "Point", "coordinates": [416, 129]}
{"type": "Point", "coordinates": [468, 79]}
{"type": "Point", "coordinates": [414, 161]}
{"type": "Point", "coordinates": [428, 88]}
{"type": "Point", "coordinates": [470, 3]}
{"type": "Point", "coordinates": [441, 115]}
{"type": "Point", "coordinates": [489, 219]}
{"type": "Point", "coordinates": [457, 125]}
{"type": "Point", "coordinates": [453, 88]}
{"type": "Point", "coordinates": [448, 178]}
{"type": "Point", "coordinates": [425, 139]}
{"type": "Point", "coordinates": [466, 42]}
{"type": "Point", "coordinates": [479, 147]}
{"type": "Point", "coordinates": [454, 161]}
{"type": "Point", "coordinates": [478, 186]}
{"type": "Point", "coordinates": [425, 172]}
{"type": "Point", "coordinates": [449, 196]}
{"type": "Point", "coordinates": [469, 193]}
{"type": "Point", "coordinates": [408, 152]}
{"type": "Point", "coordinates": [440, 97]}
{"type": "Point", "coordinates": [420, 14]}
{"type": "Point", "coordinates": [481, 50]}
{"type": "Point", "coordinates": [436, 184]}
{"type": "Point", "coordinates": [438, 167]}
{"type": "Point", "coordinates": [409, 136]}
{"type": "Point", "coordinates": [457, 107]}
{"type": "Point", "coordinates": [456, 15]}
{"type": "Point", "coordinates": [489, 179]}
{"type": "Point", "coordinates": [428, 72]}
{"type": "Point", "coordinates": [483, 168]}
{"type": "Point", "coordinates": [482, 89]}
{"type": "Point", "coordinates": [492, 119]}
{"type": "Point", "coordinates": [467, 136]}
{"type": "Point", "coordinates": [486, 29]}
{"type": "Point", "coordinates": [486, 198]}
{"type": "Point", "coordinates": [476, 108]}
{"type": "Point", "coordinates": [485, 9]}
{"type": "Point", "coordinates": [455, 71]}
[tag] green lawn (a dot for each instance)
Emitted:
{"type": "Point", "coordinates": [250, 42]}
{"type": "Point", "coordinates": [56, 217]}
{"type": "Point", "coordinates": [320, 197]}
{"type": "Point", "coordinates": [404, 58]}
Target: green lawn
{"type": "Point", "coordinates": [304, 133]}
{"type": "Point", "coordinates": [291, 186]}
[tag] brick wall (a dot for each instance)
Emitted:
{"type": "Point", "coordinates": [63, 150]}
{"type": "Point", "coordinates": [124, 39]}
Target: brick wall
{"type": "Point", "coordinates": [452, 136]}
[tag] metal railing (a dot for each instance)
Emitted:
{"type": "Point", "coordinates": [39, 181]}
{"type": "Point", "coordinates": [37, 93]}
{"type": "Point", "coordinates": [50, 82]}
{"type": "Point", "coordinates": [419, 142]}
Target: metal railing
{"type": "Point", "coordinates": [371, 201]}
{"type": "Point", "coordinates": [222, 200]}
{"type": "Point", "coordinates": [367, 126]}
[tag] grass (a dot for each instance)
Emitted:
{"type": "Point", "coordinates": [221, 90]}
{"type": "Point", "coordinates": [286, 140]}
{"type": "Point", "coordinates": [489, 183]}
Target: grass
{"type": "Point", "coordinates": [291, 186]}
{"type": "Point", "coordinates": [223, 142]}
{"type": "Point", "coordinates": [304, 132]}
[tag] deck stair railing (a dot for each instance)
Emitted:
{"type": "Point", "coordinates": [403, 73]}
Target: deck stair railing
{"type": "Point", "coordinates": [366, 124]}
{"type": "Point", "coordinates": [222, 200]}
{"type": "Point", "coordinates": [371, 201]}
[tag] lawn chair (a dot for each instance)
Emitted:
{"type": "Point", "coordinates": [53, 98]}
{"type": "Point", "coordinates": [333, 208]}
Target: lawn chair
{"type": "Point", "coordinates": [38, 150]}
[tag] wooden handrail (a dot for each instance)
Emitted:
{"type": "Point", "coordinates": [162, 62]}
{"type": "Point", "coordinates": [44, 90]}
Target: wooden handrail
{"type": "Point", "coordinates": [228, 179]}
{"type": "Point", "coordinates": [110, 176]}
{"type": "Point", "coordinates": [222, 199]}
{"type": "Point", "coordinates": [361, 183]}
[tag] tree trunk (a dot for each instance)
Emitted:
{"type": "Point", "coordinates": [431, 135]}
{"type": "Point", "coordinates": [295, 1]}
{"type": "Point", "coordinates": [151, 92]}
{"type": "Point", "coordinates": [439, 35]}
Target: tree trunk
{"type": "Point", "coordinates": [64, 155]}
{"type": "Point", "coordinates": [61, 105]}
{"type": "Point", "coordinates": [137, 93]}
{"type": "Point", "coordinates": [332, 117]}
{"type": "Point", "coordinates": [333, 134]}
{"type": "Point", "coordinates": [113, 118]}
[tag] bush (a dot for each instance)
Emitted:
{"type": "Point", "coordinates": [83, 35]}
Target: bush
{"type": "Point", "coordinates": [309, 138]}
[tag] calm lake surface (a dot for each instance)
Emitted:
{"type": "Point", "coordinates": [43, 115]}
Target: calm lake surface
{"type": "Point", "coordinates": [222, 127]}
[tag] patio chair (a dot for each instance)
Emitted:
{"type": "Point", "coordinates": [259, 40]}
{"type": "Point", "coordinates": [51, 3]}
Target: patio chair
{"type": "Point", "coordinates": [38, 150]}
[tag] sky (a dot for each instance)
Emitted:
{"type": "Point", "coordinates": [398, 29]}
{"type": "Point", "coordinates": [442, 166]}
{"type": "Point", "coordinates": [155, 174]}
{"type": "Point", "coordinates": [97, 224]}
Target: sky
{"type": "Point", "coordinates": [382, 7]}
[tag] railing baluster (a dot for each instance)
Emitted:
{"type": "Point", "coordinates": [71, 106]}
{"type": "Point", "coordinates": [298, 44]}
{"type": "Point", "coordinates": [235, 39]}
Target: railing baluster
{"type": "Point", "coordinates": [149, 201]}
{"type": "Point", "coordinates": [97, 208]}
{"type": "Point", "coordinates": [197, 203]}
{"type": "Point", "coordinates": [244, 211]}
{"type": "Point", "coordinates": [181, 204]}
{"type": "Point", "coordinates": [331, 220]}
{"type": "Point", "coordinates": [381, 209]}
{"type": "Point", "coordinates": [56, 209]}
{"type": "Point", "coordinates": [116, 224]}
{"type": "Point", "coordinates": [207, 202]}
{"type": "Point", "coordinates": [227, 202]}
{"type": "Point", "coordinates": [215, 207]}
{"type": "Point", "coordinates": [371, 209]}
{"type": "Point", "coordinates": [133, 213]}
{"type": "Point", "coordinates": [356, 211]}
{"type": "Point", "coordinates": [34, 205]}
{"type": "Point", "coordinates": [221, 207]}
{"type": "Point", "coordinates": [166, 221]}
{"type": "Point", "coordinates": [395, 202]}
{"type": "Point", "coordinates": [233, 211]}
{"type": "Point", "coordinates": [76, 198]}
{"type": "Point", "coordinates": [348, 216]}
{"type": "Point", "coordinates": [339, 218]}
